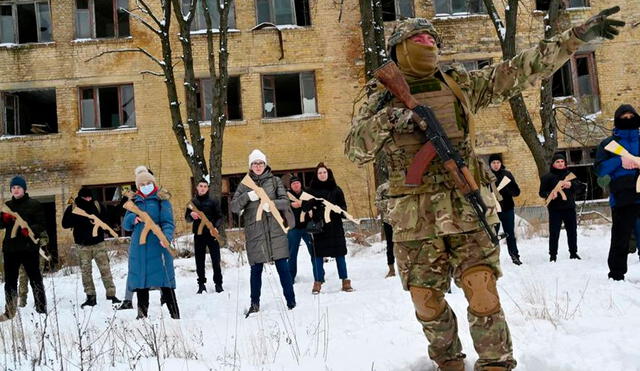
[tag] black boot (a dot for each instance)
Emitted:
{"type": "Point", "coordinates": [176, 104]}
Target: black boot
{"type": "Point", "coordinates": [291, 305]}
{"type": "Point", "coordinates": [254, 308]}
{"type": "Point", "coordinates": [201, 288]}
{"type": "Point", "coordinates": [127, 304]}
{"type": "Point", "coordinates": [114, 300]}
{"type": "Point", "coordinates": [172, 302]}
{"type": "Point", "coordinates": [516, 260]}
{"type": "Point", "coordinates": [91, 301]}
{"type": "Point", "coordinates": [143, 303]}
{"type": "Point", "coordinates": [574, 255]}
{"type": "Point", "coordinates": [219, 288]}
{"type": "Point", "coordinates": [552, 258]}
{"type": "Point", "coordinates": [142, 311]}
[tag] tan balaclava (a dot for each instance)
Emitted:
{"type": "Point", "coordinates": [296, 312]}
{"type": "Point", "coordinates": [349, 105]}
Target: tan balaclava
{"type": "Point", "coordinates": [417, 60]}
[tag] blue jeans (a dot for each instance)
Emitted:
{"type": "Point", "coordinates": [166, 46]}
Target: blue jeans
{"type": "Point", "coordinates": [341, 263]}
{"type": "Point", "coordinates": [294, 236]}
{"type": "Point", "coordinates": [285, 281]}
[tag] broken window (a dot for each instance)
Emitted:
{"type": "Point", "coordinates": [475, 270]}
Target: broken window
{"type": "Point", "coordinates": [111, 196]}
{"type": "Point", "coordinates": [289, 94]}
{"type": "Point", "coordinates": [396, 9]}
{"type": "Point", "coordinates": [200, 23]}
{"type": "Point", "coordinates": [581, 163]}
{"type": "Point", "coordinates": [24, 22]}
{"type": "Point", "coordinates": [97, 19]}
{"type": "Point", "coordinates": [233, 109]}
{"type": "Point", "coordinates": [281, 12]}
{"type": "Point", "coordinates": [459, 6]}
{"type": "Point", "coordinates": [544, 4]}
{"type": "Point", "coordinates": [28, 112]}
{"type": "Point", "coordinates": [578, 78]}
{"type": "Point", "coordinates": [107, 107]}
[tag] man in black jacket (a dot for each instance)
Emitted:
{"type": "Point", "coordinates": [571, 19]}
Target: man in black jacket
{"type": "Point", "coordinates": [90, 247]}
{"type": "Point", "coordinates": [560, 210]}
{"type": "Point", "coordinates": [299, 231]}
{"type": "Point", "coordinates": [507, 215]}
{"type": "Point", "coordinates": [211, 209]}
{"type": "Point", "coordinates": [21, 250]}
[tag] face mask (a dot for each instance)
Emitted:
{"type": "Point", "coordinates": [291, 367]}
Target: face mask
{"type": "Point", "coordinates": [627, 124]}
{"type": "Point", "coordinates": [147, 189]}
{"type": "Point", "coordinates": [417, 60]}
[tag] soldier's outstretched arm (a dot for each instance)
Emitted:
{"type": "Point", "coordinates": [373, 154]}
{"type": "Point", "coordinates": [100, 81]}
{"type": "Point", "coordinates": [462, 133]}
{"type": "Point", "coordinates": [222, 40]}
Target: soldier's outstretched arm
{"type": "Point", "coordinates": [501, 81]}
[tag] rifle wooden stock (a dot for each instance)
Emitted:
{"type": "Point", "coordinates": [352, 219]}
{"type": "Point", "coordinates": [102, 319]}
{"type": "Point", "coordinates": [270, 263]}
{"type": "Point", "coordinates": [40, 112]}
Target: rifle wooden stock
{"type": "Point", "coordinates": [19, 223]}
{"type": "Point", "coordinates": [328, 208]}
{"type": "Point", "coordinates": [264, 199]}
{"type": "Point", "coordinates": [149, 226]}
{"type": "Point", "coordinates": [558, 189]}
{"type": "Point", "coordinates": [205, 222]}
{"type": "Point", "coordinates": [97, 223]}
{"type": "Point", "coordinates": [615, 147]}
{"type": "Point", "coordinates": [391, 77]}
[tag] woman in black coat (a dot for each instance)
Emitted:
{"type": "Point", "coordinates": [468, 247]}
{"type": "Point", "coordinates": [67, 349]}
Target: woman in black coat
{"type": "Point", "coordinates": [330, 242]}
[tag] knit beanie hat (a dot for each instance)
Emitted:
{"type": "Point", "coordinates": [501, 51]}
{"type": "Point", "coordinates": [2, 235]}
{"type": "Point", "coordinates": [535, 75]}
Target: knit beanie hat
{"type": "Point", "coordinates": [495, 157]}
{"type": "Point", "coordinates": [257, 155]}
{"type": "Point", "coordinates": [558, 156]}
{"type": "Point", "coordinates": [143, 176]}
{"type": "Point", "coordinates": [19, 181]}
{"type": "Point", "coordinates": [85, 192]}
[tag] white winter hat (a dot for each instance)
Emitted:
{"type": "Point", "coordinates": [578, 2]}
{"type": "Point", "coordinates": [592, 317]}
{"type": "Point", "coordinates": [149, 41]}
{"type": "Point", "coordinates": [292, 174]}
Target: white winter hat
{"type": "Point", "coordinates": [143, 176]}
{"type": "Point", "coordinates": [257, 155]}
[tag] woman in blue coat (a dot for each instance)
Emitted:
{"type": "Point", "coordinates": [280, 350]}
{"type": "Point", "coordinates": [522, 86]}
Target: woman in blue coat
{"type": "Point", "coordinates": [151, 265]}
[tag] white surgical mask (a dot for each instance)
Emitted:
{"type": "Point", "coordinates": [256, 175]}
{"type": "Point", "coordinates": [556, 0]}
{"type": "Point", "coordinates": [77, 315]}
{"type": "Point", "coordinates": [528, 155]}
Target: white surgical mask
{"type": "Point", "coordinates": [147, 189]}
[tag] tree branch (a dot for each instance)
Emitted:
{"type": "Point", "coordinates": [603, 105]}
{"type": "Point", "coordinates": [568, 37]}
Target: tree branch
{"type": "Point", "coordinates": [129, 50]}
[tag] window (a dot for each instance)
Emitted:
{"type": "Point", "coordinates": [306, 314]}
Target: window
{"type": "Point", "coordinates": [24, 22]}
{"type": "Point", "coordinates": [544, 4]}
{"type": "Point", "coordinates": [200, 23]}
{"type": "Point", "coordinates": [459, 6]}
{"type": "Point", "coordinates": [107, 107]}
{"type": "Point", "coordinates": [580, 162]}
{"type": "Point", "coordinates": [110, 195]}
{"type": "Point", "coordinates": [396, 9]}
{"type": "Point", "coordinates": [578, 78]}
{"type": "Point", "coordinates": [233, 109]}
{"type": "Point", "coordinates": [282, 12]}
{"type": "Point", "coordinates": [29, 112]}
{"type": "Point", "coordinates": [289, 94]}
{"type": "Point", "coordinates": [98, 19]}
{"type": "Point", "coordinates": [230, 184]}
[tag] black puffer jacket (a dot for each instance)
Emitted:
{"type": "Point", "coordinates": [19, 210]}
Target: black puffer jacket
{"type": "Point", "coordinates": [510, 191]}
{"type": "Point", "coordinates": [31, 211]}
{"type": "Point", "coordinates": [331, 241]}
{"type": "Point", "coordinates": [550, 180]}
{"type": "Point", "coordinates": [82, 227]}
{"type": "Point", "coordinates": [209, 207]}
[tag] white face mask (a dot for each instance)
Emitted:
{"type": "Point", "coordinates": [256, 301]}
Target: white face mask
{"type": "Point", "coordinates": [147, 189]}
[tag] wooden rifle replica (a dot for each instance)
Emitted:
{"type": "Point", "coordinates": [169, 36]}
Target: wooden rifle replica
{"type": "Point", "coordinates": [264, 199]}
{"type": "Point", "coordinates": [503, 183]}
{"type": "Point", "coordinates": [22, 224]}
{"type": "Point", "coordinates": [437, 144]}
{"type": "Point", "coordinates": [295, 199]}
{"type": "Point", "coordinates": [558, 189]}
{"type": "Point", "coordinates": [328, 208]}
{"type": "Point", "coordinates": [205, 222]}
{"type": "Point", "coordinates": [149, 224]}
{"type": "Point", "coordinates": [97, 222]}
{"type": "Point", "coordinates": [615, 147]}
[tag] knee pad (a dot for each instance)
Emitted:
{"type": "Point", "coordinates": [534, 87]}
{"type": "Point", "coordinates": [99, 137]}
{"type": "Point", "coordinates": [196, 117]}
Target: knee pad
{"type": "Point", "coordinates": [429, 303]}
{"type": "Point", "coordinates": [479, 285]}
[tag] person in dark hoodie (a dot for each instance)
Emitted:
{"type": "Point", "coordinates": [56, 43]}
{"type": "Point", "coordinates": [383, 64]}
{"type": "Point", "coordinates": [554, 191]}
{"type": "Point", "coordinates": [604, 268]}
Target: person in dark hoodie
{"type": "Point", "coordinates": [560, 210]}
{"type": "Point", "coordinates": [90, 247]}
{"type": "Point", "coordinates": [298, 232]}
{"type": "Point", "coordinates": [211, 209]}
{"type": "Point", "coordinates": [19, 249]}
{"type": "Point", "coordinates": [507, 215]}
{"type": "Point", "coordinates": [620, 175]}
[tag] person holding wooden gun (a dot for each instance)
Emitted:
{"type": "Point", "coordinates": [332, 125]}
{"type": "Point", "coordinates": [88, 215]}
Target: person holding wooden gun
{"type": "Point", "coordinates": [266, 239]}
{"type": "Point", "coordinates": [620, 174]}
{"type": "Point", "coordinates": [22, 217]}
{"type": "Point", "coordinates": [298, 232]}
{"type": "Point", "coordinates": [91, 246]}
{"type": "Point", "coordinates": [150, 261]}
{"type": "Point", "coordinates": [508, 188]}
{"type": "Point", "coordinates": [205, 239]}
{"type": "Point", "coordinates": [560, 194]}
{"type": "Point", "coordinates": [442, 218]}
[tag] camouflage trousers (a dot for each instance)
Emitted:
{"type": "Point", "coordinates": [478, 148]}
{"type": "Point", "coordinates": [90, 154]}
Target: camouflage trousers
{"type": "Point", "coordinates": [23, 283]}
{"type": "Point", "coordinates": [98, 253]}
{"type": "Point", "coordinates": [431, 263]}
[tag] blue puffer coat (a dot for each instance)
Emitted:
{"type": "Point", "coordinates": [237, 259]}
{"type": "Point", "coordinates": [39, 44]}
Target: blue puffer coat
{"type": "Point", "coordinates": [623, 182]}
{"type": "Point", "coordinates": [150, 265]}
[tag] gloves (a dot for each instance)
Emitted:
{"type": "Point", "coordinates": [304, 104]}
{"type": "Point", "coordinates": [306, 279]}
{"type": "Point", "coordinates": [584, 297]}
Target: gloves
{"type": "Point", "coordinates": [266, 208]}
{"type": "Point", "coordinates": [603, 181]}
{"type": "Point", "coordinates": [7, 218]}
{"type": "Point", "coordinates": [599, 26]}
{"type": "Point", "coordinates": [24, 232]}
{"type": "Point", "coordinates": [253, 196]}
{"type": "Point", "coordinates": [43, 240]}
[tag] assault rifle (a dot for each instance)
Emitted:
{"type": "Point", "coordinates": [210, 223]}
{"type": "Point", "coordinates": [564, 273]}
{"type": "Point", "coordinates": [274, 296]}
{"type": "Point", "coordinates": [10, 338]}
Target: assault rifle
{"type": "Point", "coordinates": [437, 144]}
{"type": "Point", "coordinates": [264, 199]}
{"type": "Point", "coordinates": [328, 208]}
{"type": "Point", "coordinates": [149, 225]}
{"type": "Point", "coordinates": [205, 222]}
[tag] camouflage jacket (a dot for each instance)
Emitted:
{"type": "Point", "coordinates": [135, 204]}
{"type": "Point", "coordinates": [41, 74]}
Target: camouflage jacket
{"type": "Point", "coordinates": [436, 208]}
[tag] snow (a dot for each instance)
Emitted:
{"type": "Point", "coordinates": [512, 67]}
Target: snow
{"type": "Point", "coordinates": [562, 316]}
{"type": "Point", "coordinates": [189, 148]}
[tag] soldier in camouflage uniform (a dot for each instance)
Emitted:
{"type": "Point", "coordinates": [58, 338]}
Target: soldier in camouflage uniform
{"type": "Point", "coordinates": [436, 233]}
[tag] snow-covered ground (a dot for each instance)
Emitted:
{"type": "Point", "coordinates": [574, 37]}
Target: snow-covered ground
{"type": "Point", "coordinates": [563, 316]}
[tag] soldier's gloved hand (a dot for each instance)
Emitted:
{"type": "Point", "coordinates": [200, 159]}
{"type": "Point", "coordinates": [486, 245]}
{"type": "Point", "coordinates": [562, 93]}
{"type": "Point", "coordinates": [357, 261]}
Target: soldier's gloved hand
{"type": "Point", "coordinates": [7, 218]}
{"type": "Point", "coordinates": [599, 26]}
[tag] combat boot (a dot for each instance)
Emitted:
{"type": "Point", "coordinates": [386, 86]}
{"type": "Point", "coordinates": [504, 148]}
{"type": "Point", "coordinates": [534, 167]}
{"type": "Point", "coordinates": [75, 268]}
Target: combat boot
{"type": "Point", "coordinates": [392, 271]}
{"type": "Point", "coordinates": [346, 286]}
{"type": "Point", "coordinates": [574, 255]}
{"type": "Point", "coordinates": [10, 310]}
{"type": "Point", "coordinates": [91, 301]}
{"type": "Point", "coordinates": [452, 365]}
{"type": "Point", "coordinates": [201, 288]}
{"type": "Point", "coordinates": [219, 288]}
{"type": "Point", "coordinates": [126, 304]}
{"type": "Point", "coordinates": [317, 285]}
{"type": "Point", "coordinates": [22, 302]}
{"type": "Point", "coordinates": [114, 299]}
{"type": "Point", "coordinates": [254, 308]}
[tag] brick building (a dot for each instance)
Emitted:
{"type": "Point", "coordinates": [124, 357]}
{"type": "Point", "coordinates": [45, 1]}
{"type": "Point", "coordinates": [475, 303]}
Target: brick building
{"type": "Point", "coordinates": [68, 121]}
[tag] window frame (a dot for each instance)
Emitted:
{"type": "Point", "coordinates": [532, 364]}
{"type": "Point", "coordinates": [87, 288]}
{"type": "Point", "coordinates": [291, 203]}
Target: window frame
{"type": "Point", "coordinates": [272, 13]}
{"type": "Point", "coordinates": [483, 10]}
{"type": "Point", "coordinates": [397, 15]}
{"type": "Point", "coordinates": [195, 27]}
{"type": "Point", "coordinates": [300, 91]}
{"type": "Point", "coordinates": [567, 3]}
{"type": "Point", "coordinates": [14, 17]}
{"type": "Point", "coordinates": [16, 114]}
{"type": "Point", "coordinates": [92, 21]}
{"type": "Point", "coordinates": [96, 107]}
{"type": "Point", "coordinates": [202, 111]}
{"type": "Point", "coordinates": [593, 77]}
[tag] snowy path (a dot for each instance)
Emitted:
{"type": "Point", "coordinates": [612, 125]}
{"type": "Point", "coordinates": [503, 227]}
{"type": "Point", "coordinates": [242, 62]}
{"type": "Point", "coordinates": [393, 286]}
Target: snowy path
{"type": "Point", "coordinates": [563, 316]}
